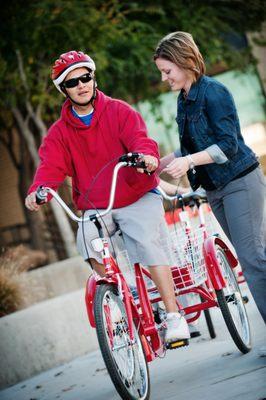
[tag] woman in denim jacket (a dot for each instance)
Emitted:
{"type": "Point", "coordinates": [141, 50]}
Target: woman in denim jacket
{"type": "Point", "coordinates": [214, 155]}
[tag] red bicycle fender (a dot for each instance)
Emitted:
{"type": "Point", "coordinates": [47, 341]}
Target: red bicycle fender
{"type": "Point", "coordinates": [230, 256]}
{"type": "Point", "coordinates": [90, 295]}
{"type": "Point", "coordinates": [212, 264]}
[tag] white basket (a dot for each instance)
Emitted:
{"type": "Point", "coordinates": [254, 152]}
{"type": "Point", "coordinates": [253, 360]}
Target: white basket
{"type": "Point", "coordinates": [212, 225]}
{"type": "Point", "coordinates": [190, 269]}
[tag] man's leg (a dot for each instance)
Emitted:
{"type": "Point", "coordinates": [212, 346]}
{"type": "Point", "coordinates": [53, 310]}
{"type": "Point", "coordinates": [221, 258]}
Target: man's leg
{"type": "Point", "coordinates": [147, 241]}
{"type": "Point", "coordinates": [88, 232]}
{"type": "Point", "coordinates": [177, 328]}
{"type": "Point", "coordinates": [163, 279]}
{"type": "Point", "coordinates": [97, 267]}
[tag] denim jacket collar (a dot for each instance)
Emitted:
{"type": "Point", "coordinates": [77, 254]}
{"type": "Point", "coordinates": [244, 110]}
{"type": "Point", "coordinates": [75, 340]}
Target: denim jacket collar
{"type": "Point", "coordinates": [194, 90]}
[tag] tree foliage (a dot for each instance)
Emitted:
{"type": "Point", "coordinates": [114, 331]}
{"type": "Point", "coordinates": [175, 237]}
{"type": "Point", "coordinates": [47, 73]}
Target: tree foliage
{"type": "Point", "coordinates": [119, 35]}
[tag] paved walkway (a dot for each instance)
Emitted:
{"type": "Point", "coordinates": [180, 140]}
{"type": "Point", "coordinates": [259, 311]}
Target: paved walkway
{"type": "Point", "coordinates": [208, 369]}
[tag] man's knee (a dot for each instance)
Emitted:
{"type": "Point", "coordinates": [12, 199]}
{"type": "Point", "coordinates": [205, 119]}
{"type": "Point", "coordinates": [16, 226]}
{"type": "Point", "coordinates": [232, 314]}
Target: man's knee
{"type": "Point", "coordinates": [96, 266]}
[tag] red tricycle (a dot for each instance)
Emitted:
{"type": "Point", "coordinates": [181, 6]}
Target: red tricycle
{"type": "Point", "coordinates": [130, 330]}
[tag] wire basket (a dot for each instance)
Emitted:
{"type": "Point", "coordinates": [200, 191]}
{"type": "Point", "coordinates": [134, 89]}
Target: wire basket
{"type": "Point", "coordinates": [212, 225]}
{"type": "Point", "coordinates": [190, 269]}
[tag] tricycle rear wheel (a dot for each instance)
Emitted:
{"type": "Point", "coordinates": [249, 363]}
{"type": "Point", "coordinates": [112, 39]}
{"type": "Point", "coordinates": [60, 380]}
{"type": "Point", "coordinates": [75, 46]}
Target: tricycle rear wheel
{"type": "Point", "coordinates": [232, 305]}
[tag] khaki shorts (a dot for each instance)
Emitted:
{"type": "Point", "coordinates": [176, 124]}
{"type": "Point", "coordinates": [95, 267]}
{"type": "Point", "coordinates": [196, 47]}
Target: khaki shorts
{"type": "Point", "coordinates": [144, 231]}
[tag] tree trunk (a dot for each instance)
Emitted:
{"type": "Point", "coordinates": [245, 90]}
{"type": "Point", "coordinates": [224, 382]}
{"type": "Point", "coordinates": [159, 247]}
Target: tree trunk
{"type": "Point", "coordinates": [33, 219]}
{"type": "Point", "coordinates": [65, 229]}
{"type": "Point", "coordinates": [62, 221]}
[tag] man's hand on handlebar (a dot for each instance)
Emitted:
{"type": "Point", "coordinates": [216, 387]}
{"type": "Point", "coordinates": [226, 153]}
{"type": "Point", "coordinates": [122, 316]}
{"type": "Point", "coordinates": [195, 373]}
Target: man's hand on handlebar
{"type": "Point", "coordinates": [30, 202]}
{"type": "Point", "coordinates": [151, 163]}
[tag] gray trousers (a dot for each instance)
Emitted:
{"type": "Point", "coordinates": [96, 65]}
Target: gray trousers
{"type": "Point", "coordinates": [240, 208]}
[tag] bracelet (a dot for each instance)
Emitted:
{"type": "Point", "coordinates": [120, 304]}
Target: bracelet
{"type": "Point", "coordinates": [191, 163]}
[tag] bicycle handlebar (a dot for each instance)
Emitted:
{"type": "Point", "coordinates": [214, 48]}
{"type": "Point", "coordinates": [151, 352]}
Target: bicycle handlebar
{"type": "Point", "coordinates": [127, 160]}
{"type": "Point", "coordinates": [133, 160]}
{"type": "Point", "coordinates": [199, 194]}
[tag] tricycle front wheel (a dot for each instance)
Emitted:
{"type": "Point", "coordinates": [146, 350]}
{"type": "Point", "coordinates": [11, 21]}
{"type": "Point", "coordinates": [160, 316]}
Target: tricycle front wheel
{"type": "Point", "coordinates": [124, 360]}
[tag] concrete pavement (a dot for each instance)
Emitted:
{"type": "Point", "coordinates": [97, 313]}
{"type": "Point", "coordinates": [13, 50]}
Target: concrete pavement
{"type": "Point", "coordinates": [207, 369]}
{"type": "Point", "coordinates": [54, 329]}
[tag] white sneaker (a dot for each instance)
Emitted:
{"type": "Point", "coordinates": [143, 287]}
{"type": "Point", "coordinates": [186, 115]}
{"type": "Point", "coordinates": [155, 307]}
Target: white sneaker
{"type": "Point", "coordinates": [177, 328]}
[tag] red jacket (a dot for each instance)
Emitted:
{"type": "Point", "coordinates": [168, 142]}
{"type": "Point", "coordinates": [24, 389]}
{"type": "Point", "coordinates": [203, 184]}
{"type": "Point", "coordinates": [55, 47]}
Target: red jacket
{"type": "Point", "coordinates": [89, 154]}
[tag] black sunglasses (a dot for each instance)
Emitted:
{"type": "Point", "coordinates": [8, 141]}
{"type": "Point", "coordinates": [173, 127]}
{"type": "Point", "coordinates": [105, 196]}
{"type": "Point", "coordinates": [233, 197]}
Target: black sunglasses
{"type": "Point", "coordinates": [70, 83]}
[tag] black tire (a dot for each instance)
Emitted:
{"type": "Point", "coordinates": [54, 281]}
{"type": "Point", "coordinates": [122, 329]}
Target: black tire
{"type": "Point", "coordinates": [209, 323]}
{"type": "Point", "coordinates": [129, 374]}
{"type": "Point", "coordinates": [232, 306]}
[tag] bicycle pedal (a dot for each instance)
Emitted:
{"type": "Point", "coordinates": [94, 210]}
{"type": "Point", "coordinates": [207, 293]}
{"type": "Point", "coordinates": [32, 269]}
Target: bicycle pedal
{"type": "Point", "coordinates": [177, 344]}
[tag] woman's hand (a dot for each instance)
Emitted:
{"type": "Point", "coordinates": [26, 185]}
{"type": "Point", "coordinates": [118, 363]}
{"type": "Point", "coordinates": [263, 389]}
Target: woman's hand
{"type": "Point", "coordinates": [164, 162]}
{"type": "Point", "coordinates": [178, 167]}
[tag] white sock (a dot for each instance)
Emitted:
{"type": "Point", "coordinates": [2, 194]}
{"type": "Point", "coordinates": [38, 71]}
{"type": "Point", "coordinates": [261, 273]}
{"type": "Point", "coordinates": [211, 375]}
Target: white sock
{"type": "Point", "coordinates": [173, 315]}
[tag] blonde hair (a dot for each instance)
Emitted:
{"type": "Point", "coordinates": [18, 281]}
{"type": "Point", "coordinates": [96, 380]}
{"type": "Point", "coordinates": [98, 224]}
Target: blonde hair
{"type": "Point", "coordinates": [180, 49]}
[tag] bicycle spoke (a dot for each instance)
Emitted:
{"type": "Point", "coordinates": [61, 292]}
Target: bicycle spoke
{"type": "Point", "coordinates": [238, 324]}
{"type": "Point", "coordinates": [124, 358]}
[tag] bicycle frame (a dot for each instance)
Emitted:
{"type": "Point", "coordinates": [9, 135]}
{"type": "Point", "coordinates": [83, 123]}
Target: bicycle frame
{"type": "Point", "coordinates": [141, 314]}
{"type": "Point", "coordinates": [145, 322]}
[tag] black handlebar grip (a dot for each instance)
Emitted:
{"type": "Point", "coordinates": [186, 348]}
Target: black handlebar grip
{"type": "Point", "coordinates": [140, 164]}
{"type": "Point", "coordinates": [130, 157]}
{"type": "Point", "coordinates": [134, 160]}
{"type": "Point", "coordinates": [41, 196]}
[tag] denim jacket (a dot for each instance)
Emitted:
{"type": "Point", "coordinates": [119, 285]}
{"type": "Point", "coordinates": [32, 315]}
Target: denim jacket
{"type": "Point", "coordinates": [211, 119]}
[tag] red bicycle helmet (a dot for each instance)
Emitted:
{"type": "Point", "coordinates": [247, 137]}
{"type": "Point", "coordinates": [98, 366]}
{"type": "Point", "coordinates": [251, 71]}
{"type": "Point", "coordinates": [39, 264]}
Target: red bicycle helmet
{"type": "Point", "coordinates": [66, 63]}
